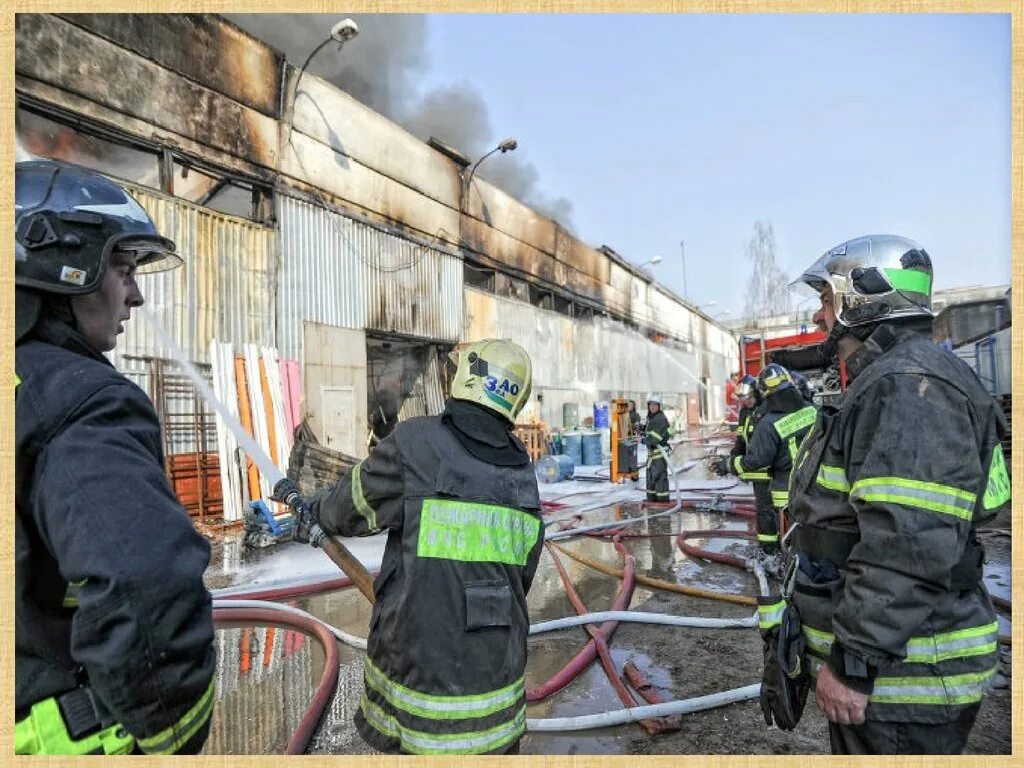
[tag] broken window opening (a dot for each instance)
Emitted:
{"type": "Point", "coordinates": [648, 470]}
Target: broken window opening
{"type": "Point", "coordinates": [42, 136]}
{"type": "Point", "coordinates": [476, 276]}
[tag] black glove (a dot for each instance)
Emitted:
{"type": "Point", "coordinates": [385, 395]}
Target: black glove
{"type": "Point", "coordinates": [785, 682]}
{"type": "Point", "coordinates": [286, 492]}
{"type": "Point", "coordinates": [719, 465]}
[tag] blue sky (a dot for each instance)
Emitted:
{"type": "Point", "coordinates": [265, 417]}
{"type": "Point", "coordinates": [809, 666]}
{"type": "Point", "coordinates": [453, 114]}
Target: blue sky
{"type": "Point", "coordinates": [692, 127]}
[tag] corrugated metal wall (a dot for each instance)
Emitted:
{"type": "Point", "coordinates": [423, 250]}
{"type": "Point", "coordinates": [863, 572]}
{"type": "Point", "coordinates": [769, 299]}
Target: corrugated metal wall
{"type": "Point", "coordinates": [225, 289]}
{"type": "Point", "coordinates": [341, 272]}
{"type": "Point", "coordinates": [581, 362]}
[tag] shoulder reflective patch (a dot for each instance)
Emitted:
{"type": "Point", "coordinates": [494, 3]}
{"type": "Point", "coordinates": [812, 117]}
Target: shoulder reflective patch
{"type": "Point", "coordinates": [794, 422]}
{"type": "Point", "coordinates": [477, 533]}
{"type": "Point", "coordinates": [997, 490]}
{"type": "Point", "coordinates": [933, 497]}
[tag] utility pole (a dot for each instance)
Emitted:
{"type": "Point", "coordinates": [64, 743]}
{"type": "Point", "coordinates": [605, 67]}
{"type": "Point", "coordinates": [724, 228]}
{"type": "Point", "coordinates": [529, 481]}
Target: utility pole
{"type": "Point", "coordinates": [682, 252]}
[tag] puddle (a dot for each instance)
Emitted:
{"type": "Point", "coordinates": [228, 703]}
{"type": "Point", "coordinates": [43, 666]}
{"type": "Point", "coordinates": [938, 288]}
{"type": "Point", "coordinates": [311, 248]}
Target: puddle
{"type": "Point", "coordinates": [266, 677]}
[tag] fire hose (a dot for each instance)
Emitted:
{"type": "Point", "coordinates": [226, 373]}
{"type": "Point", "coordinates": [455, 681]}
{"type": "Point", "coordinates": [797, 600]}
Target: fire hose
{"type": "Point", "coordinates": [329, 679]}
{"type": "Point", "coordinates": [601, 637]}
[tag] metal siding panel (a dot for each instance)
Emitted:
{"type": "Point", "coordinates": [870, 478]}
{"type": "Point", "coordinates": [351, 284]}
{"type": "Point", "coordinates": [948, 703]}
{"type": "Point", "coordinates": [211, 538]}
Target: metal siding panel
{"type": "Point", "coordinates": [222, 290]}
{"type": "Point", "coordinates": [341, 272]}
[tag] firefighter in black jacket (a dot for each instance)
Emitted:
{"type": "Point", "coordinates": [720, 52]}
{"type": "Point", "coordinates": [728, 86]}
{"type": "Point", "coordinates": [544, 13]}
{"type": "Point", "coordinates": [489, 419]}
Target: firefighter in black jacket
{"type": "Point", "coordinates": [656, 439]}
{"type": "Point", "coordinates": [113, 626]}
{"type": "Point", "coordinates": [748, 395]}
{"type": "Point", "coordinates": [887, 493]}
{"type": "Point", "coordinates": [458, 496]}
{"type": "Point", "coordinates": [786, 420]}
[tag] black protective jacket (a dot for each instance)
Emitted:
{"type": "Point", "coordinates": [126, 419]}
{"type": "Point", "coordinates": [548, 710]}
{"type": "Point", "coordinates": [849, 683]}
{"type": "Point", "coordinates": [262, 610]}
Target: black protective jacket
{"type": "Point", "coordinates": [446, 652]}
{"type": "Point", "coordinates": [786, 420]}
{"type": "Point", "coordinates": [108, 567]}
{"type": "Point", "coordinates": [656, 437]}
{"type": "Point", "coordinates": [887, 491]}
{"type": "Point", "coordinates": [748, 421]}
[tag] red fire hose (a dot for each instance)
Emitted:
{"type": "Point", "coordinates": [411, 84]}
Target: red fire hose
{"type": "Point", "coordinates": [718, 557]}
{"type": "Point", "coordinates": [652, 726]}
{"type": "Point", "coordinates": [299, 740]}
{"type": "Point", "coordinates": [583, 659]}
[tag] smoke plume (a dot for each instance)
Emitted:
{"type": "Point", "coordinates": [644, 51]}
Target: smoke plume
{"type": "Point", "coordinates": [382, 68]}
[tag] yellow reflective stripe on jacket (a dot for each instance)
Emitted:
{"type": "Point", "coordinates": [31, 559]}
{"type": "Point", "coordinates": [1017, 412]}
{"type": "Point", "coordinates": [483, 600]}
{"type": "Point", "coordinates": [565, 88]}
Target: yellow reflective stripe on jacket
{"type": "Point", "coordinates": [768, 538]}
{"type": "Point", "coordinates": [833, 478]}
{"type": "Point", "coordinates": [958, 644]}
{"type": "Point", "coordinates": [944, 690]}
{"type": "Point", "coordinates": [437, 707]}
{"type": "Point", "coordinates": [465, 743]}
{"type": "Point", "coordinates": [780, 498]}
{"type": "Point", "coordinates": [656, 435]}
{"type": "Point", "coordinates": [769, 616]}
{"type": "Point", "coordinates": [359, 499]}
{"type": "Point", "coordinates": [961, 644]}
{"type": "Point", "coordinates": [933, 497]}
{"type": "Point", "coordinates": [171, 739]}
{"type": "Point", "coordinates": [71, 593]}
{"type": "Point", "coordinates": [17, 380]}
{"type": "Point", "coordinates": [756, 476]}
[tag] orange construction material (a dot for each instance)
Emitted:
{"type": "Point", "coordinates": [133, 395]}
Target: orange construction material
{"type": "Point", "coordinates": [268, 406]}
{"type": "Point", "coordinates": [268, 647]}
{"type": "Point", "coordinates": [245, 416]}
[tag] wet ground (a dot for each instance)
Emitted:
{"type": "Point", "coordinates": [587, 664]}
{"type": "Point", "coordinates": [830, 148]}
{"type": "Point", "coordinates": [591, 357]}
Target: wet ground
{"type": "Point", "coordinates": [266, 676]}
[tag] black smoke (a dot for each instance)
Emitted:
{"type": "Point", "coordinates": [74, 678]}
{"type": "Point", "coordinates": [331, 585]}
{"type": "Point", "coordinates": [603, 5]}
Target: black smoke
{"type": "Point", "coordinates": [382, 67]}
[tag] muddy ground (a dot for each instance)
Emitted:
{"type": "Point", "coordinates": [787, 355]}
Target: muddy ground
{"type": "Point", "coordinates": [680, 663]}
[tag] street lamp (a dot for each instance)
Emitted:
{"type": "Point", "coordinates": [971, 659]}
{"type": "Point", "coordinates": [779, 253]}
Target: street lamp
{"type": "Point", "coordinates": [651, 263]}
{"type": "Point", "coordinates": [507, 145]}
{"type": "Point", "coordinates": [341, 33]}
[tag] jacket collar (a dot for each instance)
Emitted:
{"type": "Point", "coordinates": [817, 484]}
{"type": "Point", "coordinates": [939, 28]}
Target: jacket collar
{"type": "Point", "coordinates": [881, 340]}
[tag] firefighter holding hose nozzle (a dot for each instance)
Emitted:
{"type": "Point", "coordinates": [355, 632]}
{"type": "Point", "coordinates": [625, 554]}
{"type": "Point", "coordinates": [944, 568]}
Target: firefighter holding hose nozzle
{"type": "Point", "coordinates": [457, 494]}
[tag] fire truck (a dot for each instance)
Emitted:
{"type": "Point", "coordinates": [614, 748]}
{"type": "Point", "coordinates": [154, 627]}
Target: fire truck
{"type": "Point", "coordinates": [826, 382]}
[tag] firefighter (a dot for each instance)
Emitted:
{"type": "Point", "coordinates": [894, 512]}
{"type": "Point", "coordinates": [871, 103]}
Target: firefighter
{"type": "Point", "coordinates": [635, 422]}
{"type": "Point", "coordinates": [786, 420]}
{"type": "Point", "coordinates": [886, 497]}
{"type": "Point", "coordinates": [748, 394]}
{"type": "Point", "coordinates": [656, 439]}
{"type": "Point", "coordinates": [113, 627]}
{"type": "Point", "coordinates": [458, 497]}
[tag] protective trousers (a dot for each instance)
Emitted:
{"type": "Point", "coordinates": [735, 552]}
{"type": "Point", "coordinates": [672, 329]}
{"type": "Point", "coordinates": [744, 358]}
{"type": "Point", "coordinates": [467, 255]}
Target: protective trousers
{"type": "Point", "coordinates": [657, 478]}
{"type": "Point", "coordinates": [882, 738]}
{"type": "Point", "coordinates": [767, 518]}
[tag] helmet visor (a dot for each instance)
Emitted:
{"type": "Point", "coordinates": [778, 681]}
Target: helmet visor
{"type": "Point", "coordinates": [151, 254]}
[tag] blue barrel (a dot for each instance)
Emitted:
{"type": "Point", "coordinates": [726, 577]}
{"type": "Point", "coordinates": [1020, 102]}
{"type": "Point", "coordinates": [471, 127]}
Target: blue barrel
{"type": "Point", "coordinates": [591, 448]}
{"type": "Point", "coordinates": [553, 469]}
{"type": "Point", "coordinates": [572, 443]}
{"type": "Point", "coordinates": [600, 415]}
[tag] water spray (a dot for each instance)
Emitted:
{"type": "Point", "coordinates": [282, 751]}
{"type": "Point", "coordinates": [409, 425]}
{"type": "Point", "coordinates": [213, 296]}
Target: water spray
{"type": "Point", "coordinates": [307, 528]}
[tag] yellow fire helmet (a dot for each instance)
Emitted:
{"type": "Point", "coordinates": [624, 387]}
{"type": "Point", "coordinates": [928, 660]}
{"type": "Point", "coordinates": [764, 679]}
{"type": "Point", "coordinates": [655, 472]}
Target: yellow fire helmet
{"type": "Point", "coordinates": [494, 373]}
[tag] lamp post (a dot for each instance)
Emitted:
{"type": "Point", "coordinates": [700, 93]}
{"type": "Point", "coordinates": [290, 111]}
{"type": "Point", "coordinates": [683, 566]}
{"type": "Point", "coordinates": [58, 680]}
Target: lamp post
{"type": "Point", "coordinates": [341, 33]}
{"type": "Point", "coordinates": [682, 253]}
{"type": "Point", "coordinates": [656, 260]}
{"type": "Point", "coordinates": [507, 145]}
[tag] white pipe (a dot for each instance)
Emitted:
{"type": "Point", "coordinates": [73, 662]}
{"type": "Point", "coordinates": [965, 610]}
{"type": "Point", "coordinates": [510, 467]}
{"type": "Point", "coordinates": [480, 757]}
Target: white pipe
{"type": "Point", "coordinates": [344, 637]}
{"type": "Point", "coordinates": [569, 532]}
{"type": "Point", "coordinates": [622, 716]}
{"type": "Point", "coordinates": [637, 617]}
{"type": "Point", "coordinates": [642, 618]}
